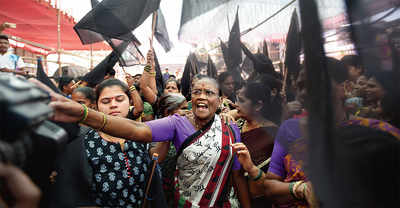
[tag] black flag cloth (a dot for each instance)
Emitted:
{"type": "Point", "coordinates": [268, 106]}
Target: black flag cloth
{"type": "Point", "coordinates": [161, 32]}
{"type": "Point", "coordinates": [128, 51]}
{"type": "Point", "coordinates": [191, 69]}
{"type": "Point", "coordinates": [320, 120]}
{"type": "Point", "coordinates": [265, 49]}
{"type": "Point", "coordinates": [261, 63]}
{"type": "Point", "coordinates": [114, 19]}
{"type": "Point", "coordinates": [42, 76]}
{"type": "Point", "coordinates": [225, 53]}
{"type": "Point", "coordinates": [293, 46]}
{"type": "Point", "coordinates": [97, 74]}
{"type": "Point", "coordinates": [211, 69]}
{"type": "Point", "coordinates": [234, 51]}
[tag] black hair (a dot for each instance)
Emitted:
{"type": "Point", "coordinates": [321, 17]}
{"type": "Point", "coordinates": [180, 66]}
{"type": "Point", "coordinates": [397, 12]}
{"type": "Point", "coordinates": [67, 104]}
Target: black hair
{"type": "Point", "coordinates": [223, 76]}
{"type": "Point", "coordinates": [352, 60]}
{"type": "Point", "coordinates": [137, 75]}
{"type": "Point", "coordinates": [110, 83]}
{"type": "Point", "coordinates": [259, 91]}
{"type": "Point", "coordinates": [169, 102]}
{"type": "Point", "coordinates": [111, 72]}
{"type": "Point", "coordinates": [88, 92]}
{"type": "Point", "coordinates": [173, 80]}
{"type": "Point", "coordinates": [4, 37]}
{"type": "Point", "coordinates": [391, 99]}
{"type": "Point", "coordinates": [114, 82]}
{"type": "Point", "coordinates": [337, 70]}
{"type": "Point", "coordinates": [172, 76]}
{"type": "Point", "coordinates": [63, 81]}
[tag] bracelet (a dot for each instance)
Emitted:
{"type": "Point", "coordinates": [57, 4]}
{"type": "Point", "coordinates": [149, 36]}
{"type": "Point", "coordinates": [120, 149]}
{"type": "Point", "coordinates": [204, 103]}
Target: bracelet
{"type": "Point", "coordinates": [104, 122]}
{"type": "Point", "coordinates": [260, 172]}
{"type": "Point", "coordinates": [291, 189]}
{"type": "Point", "coordinates": [85, 113]}
{"type": "Point", "coordinates": [147, 68]}
{"type": "Point", "coordinates": [296, 185]}
{"type": "Point", "coordinates": [132, 88]}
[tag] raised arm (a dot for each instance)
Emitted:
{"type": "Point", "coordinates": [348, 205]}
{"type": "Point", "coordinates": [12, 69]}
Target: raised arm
{"type": "Point", "coordinates": [148, 84]}
{"type": "Point", "coordinates": [137, 100]}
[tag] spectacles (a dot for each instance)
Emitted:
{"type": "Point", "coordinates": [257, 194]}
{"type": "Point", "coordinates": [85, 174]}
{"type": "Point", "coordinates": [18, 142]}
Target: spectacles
{"type": "Point", "coordinates": [208, 93]}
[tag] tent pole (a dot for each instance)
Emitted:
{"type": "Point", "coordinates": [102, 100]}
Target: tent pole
{"type": "Point", "coordinates": [59, 36]}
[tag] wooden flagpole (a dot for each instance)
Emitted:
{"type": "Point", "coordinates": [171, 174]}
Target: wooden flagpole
{"type": "Point", "coordinates": [155, 160]}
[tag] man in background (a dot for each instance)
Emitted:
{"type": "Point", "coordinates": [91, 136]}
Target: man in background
{"type": "Point", "coordinates": [10, 62]}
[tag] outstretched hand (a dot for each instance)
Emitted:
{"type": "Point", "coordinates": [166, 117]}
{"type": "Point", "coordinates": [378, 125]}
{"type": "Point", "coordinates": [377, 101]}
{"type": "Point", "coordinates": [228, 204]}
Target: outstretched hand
{"type": "Point", "coordinates": [150, 57]}
{"type": "Point", "coordinates": [243, 156]}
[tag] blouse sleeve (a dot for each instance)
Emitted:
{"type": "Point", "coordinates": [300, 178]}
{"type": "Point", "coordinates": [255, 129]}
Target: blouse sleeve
{"type": "Point", "coordinates": [236, 164]}
{"type": "Point", "coordinates": [162, 129]}
{"type": "Point", "coordinates": [278, 154]}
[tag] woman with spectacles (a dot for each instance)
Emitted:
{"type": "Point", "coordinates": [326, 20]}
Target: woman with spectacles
{"type": "Point", "coordinates": [203, 141]}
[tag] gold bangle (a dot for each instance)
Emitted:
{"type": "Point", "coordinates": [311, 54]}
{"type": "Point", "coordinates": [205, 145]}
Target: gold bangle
{"type": "Point", "coordinates": [104, 122]}
{"type": "Point", "coordinates": [132, 88]}
{"type": "Point", "coordinates": [85, 113]}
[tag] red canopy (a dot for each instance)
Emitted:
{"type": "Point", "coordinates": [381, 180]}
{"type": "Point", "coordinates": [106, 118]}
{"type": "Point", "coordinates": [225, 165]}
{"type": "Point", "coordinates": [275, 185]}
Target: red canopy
{"type": "Point", "coordinates": [37, 22]}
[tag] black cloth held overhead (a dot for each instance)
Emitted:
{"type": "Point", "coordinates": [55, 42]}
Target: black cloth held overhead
{"type": "Point", "coordinates": [265, 49]}
{"type": "Point", "coordinates": [293, 46]}
{"type": "Point", "coordinates": [363, 36]}
{"type": "Point", "coordinates": [128, 51]}
{"type": "Point", "coordinates": [114, 19]}
{"type": "Point", "coordinates": [191, 69]}
{"type": "Point", "coordinates": [234, 51]}
{"type": "Point", "coordinates": [211, 69]}
{"type": "Point", "coordinates": [261, 63]}
{"type": "Point", "coordinates": [42, 76]}
{"type": "Point", "coordinates": [320, 119]}
{"type": "Point", "coordinates": [161, 32]}
{"type": "Point", "coordinates": [97, 74]}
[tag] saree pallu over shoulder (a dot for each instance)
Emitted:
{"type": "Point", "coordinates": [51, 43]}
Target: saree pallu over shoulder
{"type": "Point", "coordinates": [375, 124]}
{"type": "Point", "coordinates": [204, 166]}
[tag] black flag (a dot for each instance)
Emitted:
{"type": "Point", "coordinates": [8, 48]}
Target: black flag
{"type": "Point", "coordinates": [225, 53]}
{"type": "Point", "coordinates": [128, 51]}
{"type": "Point", "coordinates": [261, 63]}
{"type": "Point", "coordinates": [211, 69]}
{"type": "Point", "coordinates": [114, 19]}
{"type": "Point", "coordinates": [42, 76]}
{"type": "Point", "coordinates": [265, 49]}
{"type": "Point", "coordinates": [97, 74]}
{"type": "Point", "coordinates": [235, 53]}
{"type": "Point", "coordinates": [161, 32]}
{"type": "Point", "coordinates": [191, 69]}
{"type": "Point", "coordinates": [293, 46]}
{"type": "Point", "coordinates": [320, 120]}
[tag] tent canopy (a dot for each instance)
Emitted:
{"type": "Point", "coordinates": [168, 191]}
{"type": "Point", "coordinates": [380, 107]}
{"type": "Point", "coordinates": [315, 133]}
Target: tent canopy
{"type": "Point", "coordinates": [36, 21]}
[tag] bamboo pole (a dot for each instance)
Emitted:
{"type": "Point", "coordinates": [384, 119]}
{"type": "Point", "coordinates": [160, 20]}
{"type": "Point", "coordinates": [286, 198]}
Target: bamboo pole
{"type": "Point", "coordinates": [153, 28]}
{"type": "Point", "coordinates": [155, 160]}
